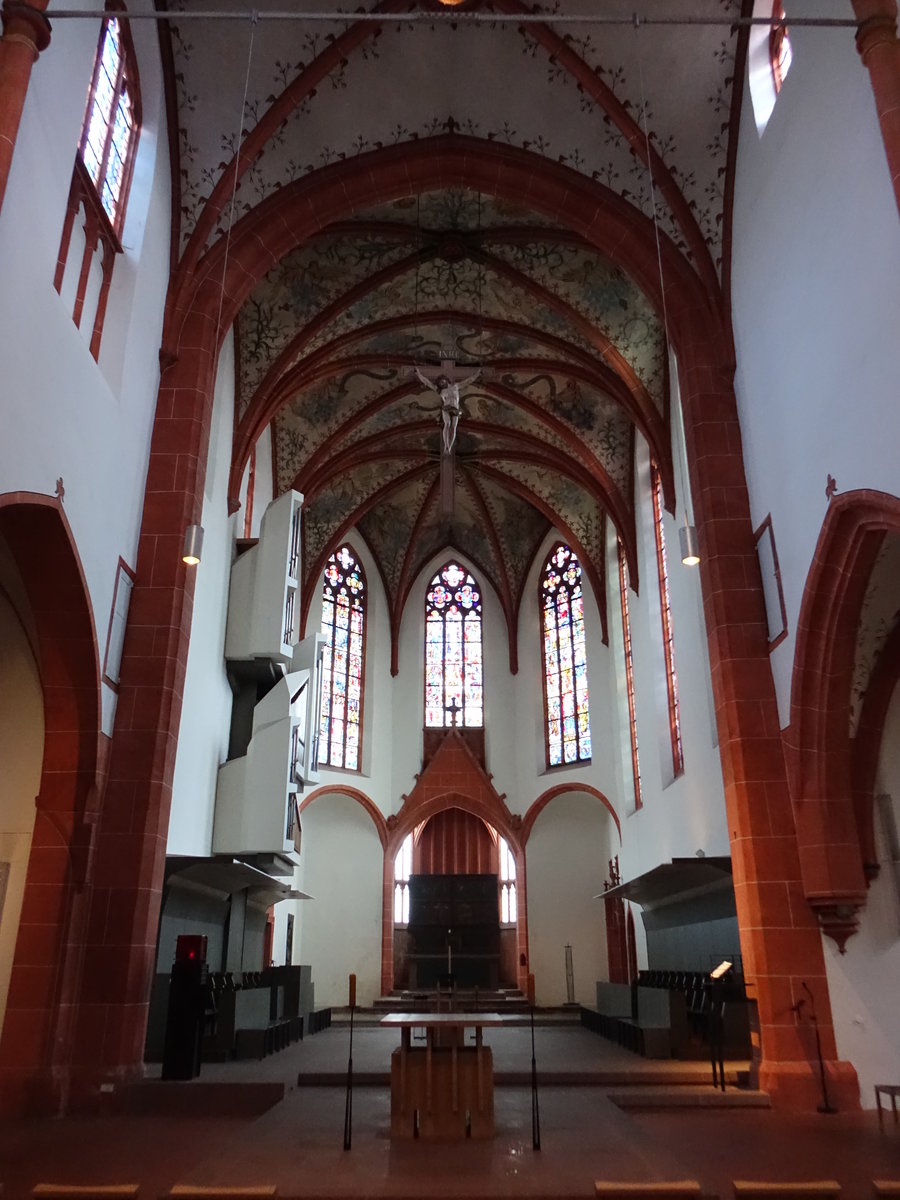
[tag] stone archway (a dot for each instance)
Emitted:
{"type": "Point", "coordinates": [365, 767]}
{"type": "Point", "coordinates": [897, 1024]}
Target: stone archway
{"type": "Point", "coordinates": [38, 1040]}
{"type": "Point", "coordinates": [833, 772]}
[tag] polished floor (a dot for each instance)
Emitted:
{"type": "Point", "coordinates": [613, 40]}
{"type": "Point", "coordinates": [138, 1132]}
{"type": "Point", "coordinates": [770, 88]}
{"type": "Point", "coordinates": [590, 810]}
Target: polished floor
{"type": "Point", "coordinates": [604, 1113]}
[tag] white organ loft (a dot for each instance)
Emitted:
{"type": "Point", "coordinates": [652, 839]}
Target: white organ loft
{"type": "Point", "coordinates": [277, 686]}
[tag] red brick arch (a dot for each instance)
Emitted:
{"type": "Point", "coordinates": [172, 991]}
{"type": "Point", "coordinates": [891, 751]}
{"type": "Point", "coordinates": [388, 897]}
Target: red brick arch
{"type": "Point", "coordinates": [37, 1029]}
{"type": "Point", "coordinates": [835, 839]}
{"type": "Point", "coordinates": [341, 789]}
{"type": "Point", "coordinates": [560, 789]}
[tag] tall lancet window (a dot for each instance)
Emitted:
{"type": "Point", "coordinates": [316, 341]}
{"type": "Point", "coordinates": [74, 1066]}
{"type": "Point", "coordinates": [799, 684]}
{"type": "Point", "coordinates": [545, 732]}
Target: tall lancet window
{"type": "Point", "coordinates": [111, 120]}
{"type": "Point", "coordinates": [565, 660]}
{"type": "Point", "coordinates": [629, 676]}
{"type": "Point", "coordinates": [453, 655]}
{"type": "Point", "coordinates": [344, 624]}
{"type": "Point", "coordinates": [665, 608]}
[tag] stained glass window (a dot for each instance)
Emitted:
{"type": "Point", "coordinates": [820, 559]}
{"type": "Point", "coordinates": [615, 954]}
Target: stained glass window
{"type": "Point", "coordinates": [344, 624]}
{"type": "Point", "coordinates": [565, 659]}
{"type": "Point", "coordinates": [629, 675]}
{"type": "Point", "coordinates": [666, 612]}
{"type": "Point", "coordinates": [453, 658]}
{"type": "Point", "coordinates": [111, 120]}
{"type": "Point", "coordinates": [780, 52]}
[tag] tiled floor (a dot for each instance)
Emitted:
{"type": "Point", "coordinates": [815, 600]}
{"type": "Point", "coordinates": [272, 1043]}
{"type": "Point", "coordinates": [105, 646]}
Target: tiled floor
{"type": "Point", "coordinates": [298, 1142]}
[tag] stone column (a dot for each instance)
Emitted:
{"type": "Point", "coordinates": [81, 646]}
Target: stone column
{"type": "Point", "coordinates": [781, 942]}
{"type": "Point", "coordinates": [879, 48]}
{"type": "Point", "coordinates": [26, 32]}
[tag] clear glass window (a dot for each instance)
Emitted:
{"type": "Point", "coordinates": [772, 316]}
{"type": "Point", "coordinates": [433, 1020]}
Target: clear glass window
{"type": "Point", "coordinates": [508, 901]}
{"type": "Point", "coordinates": [402, 872]}
{"type": "Point", "coordinates": [111, 121]}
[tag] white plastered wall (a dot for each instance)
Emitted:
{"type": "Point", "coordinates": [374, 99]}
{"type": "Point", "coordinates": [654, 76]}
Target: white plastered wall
{"type": "Point", "coordinates": [339, 929]}
{"type": "Point", "coordinates": [206, 710]}
{"type": "Point", "coordinates": [816, 296]}
{"type": "Point", "coordinates": [864, 982]}
{"type": "Point", "coordinates": [65, 416]}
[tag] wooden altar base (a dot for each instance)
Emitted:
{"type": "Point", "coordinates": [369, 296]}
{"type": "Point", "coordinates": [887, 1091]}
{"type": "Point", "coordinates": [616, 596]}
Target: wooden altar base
{"type": "Point", "coordinates": [442, 1094]}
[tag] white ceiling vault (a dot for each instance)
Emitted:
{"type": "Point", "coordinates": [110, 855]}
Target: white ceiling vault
{"type": "Point", "coordinates": [571, 353]}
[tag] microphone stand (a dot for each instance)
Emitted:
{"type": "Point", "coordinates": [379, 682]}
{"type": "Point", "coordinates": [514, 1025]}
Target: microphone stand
{"type": "Point", "coordinates": [826, 1106]}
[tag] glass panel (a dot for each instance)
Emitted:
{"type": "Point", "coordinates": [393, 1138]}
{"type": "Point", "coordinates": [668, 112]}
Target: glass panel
{"type": "Point", "coordinates": [343, 623]}
{"type": "Point", "coordinates": [565, 659]}
{"type": "Point", "coordinates": [453, 650]}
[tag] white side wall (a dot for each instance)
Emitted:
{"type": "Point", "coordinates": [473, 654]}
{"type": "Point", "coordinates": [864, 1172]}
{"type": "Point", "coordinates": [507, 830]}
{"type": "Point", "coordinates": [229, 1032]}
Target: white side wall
{"type": "Point", "coordinates": [816, 303]}
{"type": "Point", "coordinates": [206, 711]}
{"type": "Point", "coordinates": [865, 981]}
{"type": "Point", "coordinates": [63, 415]}
{"type": "Point", "coordinates": [338, 931]}
{"type": "Point", "coordinates": [816, 297]}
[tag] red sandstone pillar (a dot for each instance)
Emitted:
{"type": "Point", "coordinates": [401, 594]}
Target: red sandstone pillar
{"type": "Point", "coordinates": [781, 941]}
{"type": "Point", "coordinates": [879, 48]}
{"type": "Point", "coordinates": [26, 32]}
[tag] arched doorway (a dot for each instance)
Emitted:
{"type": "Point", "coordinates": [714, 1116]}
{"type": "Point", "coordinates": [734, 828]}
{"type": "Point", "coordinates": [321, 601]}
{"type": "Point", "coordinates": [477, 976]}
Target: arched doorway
{"type": "Point", "coordinates": [45, 584]}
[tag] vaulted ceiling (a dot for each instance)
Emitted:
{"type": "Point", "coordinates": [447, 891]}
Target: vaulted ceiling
{"type": "Point", "coordinates": [571, 352]}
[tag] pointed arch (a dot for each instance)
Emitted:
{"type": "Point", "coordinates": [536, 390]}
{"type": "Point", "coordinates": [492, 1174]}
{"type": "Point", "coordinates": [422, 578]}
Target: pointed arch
{"type": "Point", "coordinates": [829, 835]}
{"type": "Point", "coordinates": [560, 789]}
{"type": "Point", "coordinates": [46, 971]}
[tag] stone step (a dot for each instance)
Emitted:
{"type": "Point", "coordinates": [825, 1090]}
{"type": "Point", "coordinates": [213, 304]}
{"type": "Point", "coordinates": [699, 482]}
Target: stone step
{"type": "Point", "coordinates": [646, 1099]}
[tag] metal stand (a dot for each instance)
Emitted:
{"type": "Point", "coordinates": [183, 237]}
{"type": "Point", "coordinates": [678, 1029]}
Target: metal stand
{"type": "Point", "coordinates": [348, 1107]}
{"type": "Point", "coordinates": [716, 1034]}
{"type": "Point", "coordinates": [826, 1106]}
{"type": "Point", "coordinates": [535, 1109]}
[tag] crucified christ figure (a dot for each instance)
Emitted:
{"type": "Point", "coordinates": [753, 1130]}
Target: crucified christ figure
{"type": "Point", "coordinates": [447, 388]}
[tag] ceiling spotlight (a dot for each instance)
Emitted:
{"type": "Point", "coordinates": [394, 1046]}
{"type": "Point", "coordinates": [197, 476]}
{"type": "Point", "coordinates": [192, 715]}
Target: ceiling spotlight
{"type": "Point", "coordinates": [690, 545]}
{"type": "Point", "coordinates": [193, 545]}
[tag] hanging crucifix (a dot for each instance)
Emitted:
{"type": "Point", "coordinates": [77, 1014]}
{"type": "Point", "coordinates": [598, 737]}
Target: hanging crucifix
{"type": "Point", "coordinates": [454, 708]}
{"type": "Point", "coordinates": [447, 384]}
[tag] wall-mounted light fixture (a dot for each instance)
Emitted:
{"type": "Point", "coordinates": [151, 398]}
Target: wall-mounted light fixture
{"type": "Point", "coordinates": [193, 545]}
{"type": "Point", "coordinates": [690, 545]}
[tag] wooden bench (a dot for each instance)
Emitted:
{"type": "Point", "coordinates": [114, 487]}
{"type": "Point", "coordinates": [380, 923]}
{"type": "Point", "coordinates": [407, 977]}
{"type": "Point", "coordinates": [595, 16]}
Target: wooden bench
{"type": "Point", "coordinates": [190, 1191]}
{"type": "Point", "coordinates": [607, 1189]}
{"type": "Point", "coordinates": [886, 1187]}
{"type": "Point", "coordinates": [85, 1191]}
{"type": "Point", "coordinates": [813, 1189]}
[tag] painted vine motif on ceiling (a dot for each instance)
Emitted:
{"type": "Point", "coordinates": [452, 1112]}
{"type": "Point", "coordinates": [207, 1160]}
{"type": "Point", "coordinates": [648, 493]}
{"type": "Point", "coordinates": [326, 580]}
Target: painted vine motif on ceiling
{"type": "Point", "coordinates": [520, 529]}
{"type": "Point", "coordinates": [595, 420]}
{"type": "Point", "coordinates": [564, 495]}
{"type": "Point", "coordinates": [676, 83]}
{"type": "Point", "coordinates": [388, 529]}
{"type": "Point", "coordinates": [605, 295]}
{"type": "Point", "coordinates": [297, 289]}
{"type": "Point", "coordinates": [326, 512]}
{"type": "Point", "coordinates": [878, 618]}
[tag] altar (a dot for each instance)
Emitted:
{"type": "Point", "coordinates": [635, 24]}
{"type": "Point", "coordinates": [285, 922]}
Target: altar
{"type": "Point", "coordinates": [444, 1089]}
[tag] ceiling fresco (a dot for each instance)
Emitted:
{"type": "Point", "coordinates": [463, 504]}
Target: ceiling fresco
{"type": "Point", "coordinates": [570, 353]}
{"type": "Point", "coordinates": [538, 87]}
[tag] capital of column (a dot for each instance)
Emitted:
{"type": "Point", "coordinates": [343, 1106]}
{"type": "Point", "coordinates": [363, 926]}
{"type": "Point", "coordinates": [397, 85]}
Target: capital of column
{"type": "Point", "coordinates": [877, 25]}
{"type": "Point", "coordinates": [26, 24]}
